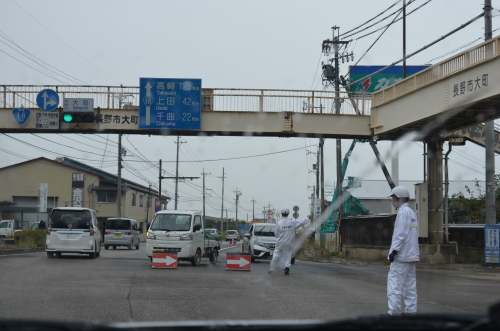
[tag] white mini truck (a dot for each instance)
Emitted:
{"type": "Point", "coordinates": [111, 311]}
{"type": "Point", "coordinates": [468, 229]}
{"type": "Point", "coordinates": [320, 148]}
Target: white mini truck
{"type": "Point", "coordinates": [182, 233]}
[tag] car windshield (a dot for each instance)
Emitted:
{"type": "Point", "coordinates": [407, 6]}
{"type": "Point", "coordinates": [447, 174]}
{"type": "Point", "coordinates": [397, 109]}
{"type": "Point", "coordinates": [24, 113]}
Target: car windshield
{"type": "Point", "coordinates": [73, 219]}
{"type": "Point", "coordinates": [171, 222]}
{"type": "Point", "coordinates": [264, 230]}
{"type": "Point", "coordinates": [117, 224]}
{"type": "Point", "coordinates": [238, 118]}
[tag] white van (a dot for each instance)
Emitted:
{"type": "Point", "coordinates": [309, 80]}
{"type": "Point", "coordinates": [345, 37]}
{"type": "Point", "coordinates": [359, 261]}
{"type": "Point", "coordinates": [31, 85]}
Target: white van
{"type": "Point", "coordinates": [73, 230]}
{"type": "Point", "coordinates": [182, 232]}
{"type": "Point", "coordinates": [121, 232]}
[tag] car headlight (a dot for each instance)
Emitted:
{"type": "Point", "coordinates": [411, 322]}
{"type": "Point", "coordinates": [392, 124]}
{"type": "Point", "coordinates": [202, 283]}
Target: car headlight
{"type": "Point", "coordinates": [150, 235]}
{"type": "Point", "coordinates": [260, 243]}
{"type": "Point", "coordinates": [187, 236]}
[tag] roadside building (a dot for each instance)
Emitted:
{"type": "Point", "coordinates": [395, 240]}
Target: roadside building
{"type": "Point", "coordinates": [72, 184]}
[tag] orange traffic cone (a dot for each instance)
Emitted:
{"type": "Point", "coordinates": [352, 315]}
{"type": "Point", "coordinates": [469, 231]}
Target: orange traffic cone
{"type": "Point", "coordinates": [232, 242]}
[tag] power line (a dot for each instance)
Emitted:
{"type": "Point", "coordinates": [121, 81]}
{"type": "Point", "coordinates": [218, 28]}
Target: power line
{"type": "Point", "coordinates": [414, 10]}
{"type": "Point", "coordinates": [383, 19]}
{"type": "Point", "coordinates": [64, 42]}
{"type": "Point", "coordinates": [421, 49]}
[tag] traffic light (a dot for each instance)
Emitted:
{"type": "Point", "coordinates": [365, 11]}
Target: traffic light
{"type": "Point", "coordinates": [79, 117]}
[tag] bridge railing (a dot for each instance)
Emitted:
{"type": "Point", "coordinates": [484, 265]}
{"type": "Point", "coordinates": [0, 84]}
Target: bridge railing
{"type": "Point", "coordinates": [459, 62]}
{"type": "Point", "coordinates": [213, 99]}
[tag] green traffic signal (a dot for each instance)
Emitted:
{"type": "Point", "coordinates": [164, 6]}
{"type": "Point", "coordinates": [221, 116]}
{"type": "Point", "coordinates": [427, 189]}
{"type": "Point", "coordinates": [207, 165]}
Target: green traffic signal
{"type": "Point", "coordinates": [79, 117]}
{"type": "Point", "coordinates": [67, 118]}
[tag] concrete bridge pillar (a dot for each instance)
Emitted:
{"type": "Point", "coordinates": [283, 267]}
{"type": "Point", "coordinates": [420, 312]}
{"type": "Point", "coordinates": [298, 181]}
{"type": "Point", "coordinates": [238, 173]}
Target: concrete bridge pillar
{"type": "Point", "coordinates": [435, 180]}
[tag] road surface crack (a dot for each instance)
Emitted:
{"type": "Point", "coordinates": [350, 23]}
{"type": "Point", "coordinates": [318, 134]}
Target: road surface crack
{"type": "Point", "coordinates": [128, 298]}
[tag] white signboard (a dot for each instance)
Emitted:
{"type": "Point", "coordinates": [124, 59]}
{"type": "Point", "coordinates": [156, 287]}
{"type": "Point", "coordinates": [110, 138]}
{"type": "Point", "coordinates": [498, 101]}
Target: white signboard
{"type": "Point", "coordinates": [47, 120]}
{"type": "Point", "coordinates": [42, 197]}
{"type": "Point", "coordinates": [78, 105]}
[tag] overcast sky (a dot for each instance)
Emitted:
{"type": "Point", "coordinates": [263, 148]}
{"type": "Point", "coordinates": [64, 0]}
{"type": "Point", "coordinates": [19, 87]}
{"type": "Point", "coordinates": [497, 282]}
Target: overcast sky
{"type": "Point", "coordinates": [228, 44]}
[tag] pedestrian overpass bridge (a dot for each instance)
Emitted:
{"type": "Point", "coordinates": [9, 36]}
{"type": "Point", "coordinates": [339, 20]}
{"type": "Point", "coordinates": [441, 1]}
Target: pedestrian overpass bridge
{"type": "Point", "coordinates": [454, 94]}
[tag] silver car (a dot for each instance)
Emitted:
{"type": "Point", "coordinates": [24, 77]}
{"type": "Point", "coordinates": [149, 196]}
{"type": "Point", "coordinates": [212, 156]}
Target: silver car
{"type": "Point", "coordinates": [232, 234]}
{"type": "Point", "coordinates": [121, 232]}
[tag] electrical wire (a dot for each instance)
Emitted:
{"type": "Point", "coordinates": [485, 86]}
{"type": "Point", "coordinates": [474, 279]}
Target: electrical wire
{"type": "Point", "coordinates": [414, 10]}
{"type": "Point", "coordinates": [381, 20]}
{"type": "Point", "coordinates": [420, 50]}
{"type": "Point", "coordinates": [64, 42]}
{"type": "Point", "coordinates": [369, 48]}
{"type": "Point", "coordinates": [371, 18]}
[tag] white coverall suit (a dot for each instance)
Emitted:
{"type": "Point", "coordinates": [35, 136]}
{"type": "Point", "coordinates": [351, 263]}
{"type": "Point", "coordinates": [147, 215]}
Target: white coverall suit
{"type": "Point", "coordinates": [285, 234]}
{"type": "Point", "coordinates": [401, 280]}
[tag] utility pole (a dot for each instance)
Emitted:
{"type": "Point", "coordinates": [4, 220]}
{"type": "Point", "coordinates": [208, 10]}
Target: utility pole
{"type": "Point", "coordinates": [238, 193]}
{"type": "Point", "coordinates": [490, 136]}
{"type": "Point", "coordinates": [204, 174]}
{"type": "Point", "coordinates": [253, 209]}
{"type": "Point", "coordinates": [159, 188]}
{"type": "Point", "coordinates": [119, 188]}
{"type": "Point", "coordinates": [222, 206]}
{"type": "Point", "coordinates": [321, 143]}
{"type": "Point", "coordinates": [148, 205]}
{"type": "Point", "coordinates": [339, 141]}
{"type": "Point", "coordinates": [177, 170]}
{"type": "Point", "coordinates": [332, 74]}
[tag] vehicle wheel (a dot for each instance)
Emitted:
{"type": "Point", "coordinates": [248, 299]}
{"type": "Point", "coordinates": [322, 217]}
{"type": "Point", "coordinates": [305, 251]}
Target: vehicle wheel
{"type": "Point", "coordinates": [58, 254]}
{"type": "Point", "coordinates": [93, 254]}
{"type": "Point", "coordinates": [50, 255]}
{"type": "Point", "coordinates": [114, 247]}
{"type": "Point", "coordinates": [138, 244]}
{"type": "Point", "coordinates": [106, 247]}
{"type": "Point", "coordinates": [196, 260]}
{"type": "Point", "coordinates": [214, 256]}
{"type": "Point", "coordinates": [293, 260]}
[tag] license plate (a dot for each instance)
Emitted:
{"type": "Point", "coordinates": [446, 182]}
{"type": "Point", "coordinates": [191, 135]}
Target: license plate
{"type": "Point", "coordinates": [118, 235]}
{"type": "Point", "coordinates": [70, 236]}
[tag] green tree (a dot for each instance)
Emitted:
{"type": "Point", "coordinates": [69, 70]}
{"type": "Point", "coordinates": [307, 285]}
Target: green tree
{"type": "Point", "coordinates": [472, 210]}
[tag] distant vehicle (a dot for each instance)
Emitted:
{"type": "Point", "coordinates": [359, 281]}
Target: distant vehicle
{"type": "Point", "coordinates": [260, 242]}
{"type": "Point", "coordinates": [211, 231]}
{"type": "Point", "coordinates": [121, 232]}
{"type": "Point", "coordinates": [8, 228]}
{"type": "Point", "coordinates": [232, 234]}
{"type": "Point", "coordinates": [181, 232]}
{"type": "Point", "coordinates": [73, 230]}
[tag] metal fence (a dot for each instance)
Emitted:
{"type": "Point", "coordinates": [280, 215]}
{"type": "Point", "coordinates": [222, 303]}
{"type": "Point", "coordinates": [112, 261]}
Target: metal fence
{"type": "Point", "coordinates": [372, 231]}
{"type": "Point", "coordinates": [213, 99]}
{"type": "Point", "coordinates": [459, 62]}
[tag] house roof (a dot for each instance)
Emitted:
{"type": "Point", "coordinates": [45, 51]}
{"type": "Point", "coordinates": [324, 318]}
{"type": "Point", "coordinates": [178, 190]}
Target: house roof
{"type": "Point", "coordinates": [70, 163]}
{"type": "Point", "coordinates": [380, 189]}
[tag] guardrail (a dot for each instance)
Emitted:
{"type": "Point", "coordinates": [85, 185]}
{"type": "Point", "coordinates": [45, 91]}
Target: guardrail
{"type": "Point", "coordinates": [213, 99]}
{"type": "Point", "coordinates": [459, 62]}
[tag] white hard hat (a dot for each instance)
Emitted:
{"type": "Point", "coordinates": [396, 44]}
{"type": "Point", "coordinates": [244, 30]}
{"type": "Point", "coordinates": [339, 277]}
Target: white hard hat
{"type": "Point", "coordinates": [400, 192]}
{"type": "Point", "coordinates": [285, 211]}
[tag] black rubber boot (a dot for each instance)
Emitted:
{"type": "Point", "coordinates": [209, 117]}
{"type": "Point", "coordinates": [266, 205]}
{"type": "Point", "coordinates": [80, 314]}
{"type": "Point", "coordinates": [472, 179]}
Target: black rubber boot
{"type": "Point", "coordinates": [287, 271]}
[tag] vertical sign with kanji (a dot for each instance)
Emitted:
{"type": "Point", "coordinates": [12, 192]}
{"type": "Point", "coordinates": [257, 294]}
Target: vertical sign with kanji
{"type": "Point", "coordinates": [77, 190]}
{"type": "Point", "coordinates": [491, 244]}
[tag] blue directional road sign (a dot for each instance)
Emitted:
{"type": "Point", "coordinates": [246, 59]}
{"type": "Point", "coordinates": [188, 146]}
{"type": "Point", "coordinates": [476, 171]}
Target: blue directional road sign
{"type": "Point", "coordinates": [170, 103]}
{"type": "Point", "coordinates": [21, 115]}
{"type": "Point", "coordinates": [47, 100]}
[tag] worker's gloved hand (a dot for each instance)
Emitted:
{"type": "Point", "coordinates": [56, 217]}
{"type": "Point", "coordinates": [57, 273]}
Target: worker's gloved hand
{"type": "Point", "coordinates": [392, 256]}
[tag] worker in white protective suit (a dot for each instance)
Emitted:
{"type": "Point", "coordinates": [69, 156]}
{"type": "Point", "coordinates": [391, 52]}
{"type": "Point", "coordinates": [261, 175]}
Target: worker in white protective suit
{"type": "Point", "coordinates": [285, 234]}
{"type": "Point", "coordinates": [403, 255]}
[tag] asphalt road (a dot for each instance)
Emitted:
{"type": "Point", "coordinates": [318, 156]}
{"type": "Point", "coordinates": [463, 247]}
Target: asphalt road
{"type": "Point", "coordinates": [121, 286]}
